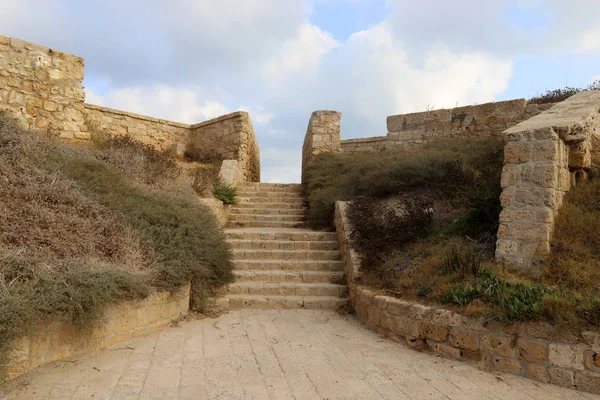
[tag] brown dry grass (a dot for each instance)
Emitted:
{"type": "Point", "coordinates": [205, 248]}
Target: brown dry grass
{"type": "Point", "coordinates": [84, 227]}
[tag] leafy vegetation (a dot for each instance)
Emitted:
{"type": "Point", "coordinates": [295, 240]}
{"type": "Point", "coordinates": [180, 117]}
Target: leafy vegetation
{"type": "Point", "coordinates": [82, 228]}
{"type": "Point", "coordinates": [226, 193]}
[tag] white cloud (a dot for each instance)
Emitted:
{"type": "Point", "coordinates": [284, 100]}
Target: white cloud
{"type": "Point", "coordinates": [160, 101]}
{"type": "Point", "coordinates": [595, 78]}
{"type": "Point", "coordinates": [300, 55]}
{"type": "Point", "coordinates": [283, 166]}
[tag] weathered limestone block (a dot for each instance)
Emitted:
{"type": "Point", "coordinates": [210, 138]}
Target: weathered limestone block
{"type": "Point", "coordinates": [322, 135]}
{"type": "Point", "coordinates": [538, 157]}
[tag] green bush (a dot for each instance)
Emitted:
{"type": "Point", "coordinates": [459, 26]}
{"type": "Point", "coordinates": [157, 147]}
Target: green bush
{"type": "Point", "coordinates": [226, 193]}
{"type": "Point", "coordinates": [516, 301]}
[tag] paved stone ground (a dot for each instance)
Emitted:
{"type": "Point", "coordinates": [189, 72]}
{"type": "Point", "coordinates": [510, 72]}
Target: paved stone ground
{"type": "Point", "coordinates": [271, 354]}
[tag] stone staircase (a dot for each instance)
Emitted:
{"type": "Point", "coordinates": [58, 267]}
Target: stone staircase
{"type": "Point", "coordinates": [279, 263]}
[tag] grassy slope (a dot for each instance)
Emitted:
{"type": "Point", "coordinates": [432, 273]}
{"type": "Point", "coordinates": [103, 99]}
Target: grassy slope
{"type": "Point", "coordinates": [447, 256]}
{"type": "Point", "coordinates": [81, 228]}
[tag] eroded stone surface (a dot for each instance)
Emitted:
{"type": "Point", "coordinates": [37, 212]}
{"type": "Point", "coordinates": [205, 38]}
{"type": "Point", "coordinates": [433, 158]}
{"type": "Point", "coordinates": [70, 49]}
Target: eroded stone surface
{"type": "Point", "coordinates": [271, 354]}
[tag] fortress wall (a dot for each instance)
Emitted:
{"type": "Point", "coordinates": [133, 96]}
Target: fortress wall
{"type": "Point", "coordinates": [229, 137]}
{"type": "Point", "coordinates": [163, 134]}
{"type": "Point", "coordinates": [484, 120]}
{"type": "Point", "coordinates": [42, 87]}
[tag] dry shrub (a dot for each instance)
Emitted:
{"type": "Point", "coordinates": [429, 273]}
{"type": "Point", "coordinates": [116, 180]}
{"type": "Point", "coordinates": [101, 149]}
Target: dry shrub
{"type": "Point", "coordinates": [558, 95]}
{"type": "Point", "coordinates": [204, 178]}
{"type": "Point", "coordinates": [380, 228]}
{"type": "Point", "coordinates": [139, 161]}
{"type": "Point", "coordinates": [81, 228]}
{"type": "Point", "coordinates": [575, 255]}
{"type": "Point", "coordinates": [448, 168]}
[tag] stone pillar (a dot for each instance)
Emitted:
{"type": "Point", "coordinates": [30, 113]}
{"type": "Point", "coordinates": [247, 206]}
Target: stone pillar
{"type": "Point", "coordinates": [322, 136]}
{"type": "Point", "coordinates": [539, 156]}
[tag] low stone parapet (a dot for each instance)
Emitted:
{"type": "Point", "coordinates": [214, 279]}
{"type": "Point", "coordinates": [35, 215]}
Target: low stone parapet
{"type": "Point", "coordinates": [55, 340]}
{"type": "Point", "coordinates": [535, 350]}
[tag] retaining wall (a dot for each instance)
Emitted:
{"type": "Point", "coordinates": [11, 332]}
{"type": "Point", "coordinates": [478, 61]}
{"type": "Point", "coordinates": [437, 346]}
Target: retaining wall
{"type": "Point", "coordinates": [55, 340]}
{"type": "Point", "coordinates": [537, 351]}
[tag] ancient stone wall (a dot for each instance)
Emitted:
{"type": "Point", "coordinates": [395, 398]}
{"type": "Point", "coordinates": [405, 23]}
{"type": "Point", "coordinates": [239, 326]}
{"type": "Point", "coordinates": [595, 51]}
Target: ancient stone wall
{"type": "Point", "coordinates": [536, 350]}
{"type": "Point", "coordinates": [542, 157]}
{"type": "Point", "coordinates": [55, 340]}
{"type": "Point", "coordinates": [484, 120]}
{"type": "Point", "coordinates": [322, 135]}
{"type": "Point", "coordinates": [230, 137]}
{"type": "Point", "coordinates": [162, 134]}
{"type": "Point", "coordinates": [42, 87]}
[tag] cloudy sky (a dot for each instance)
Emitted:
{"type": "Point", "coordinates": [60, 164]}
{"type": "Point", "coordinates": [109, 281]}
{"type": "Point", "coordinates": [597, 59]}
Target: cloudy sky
{"type": "Point", "coordinates": [192, 60]}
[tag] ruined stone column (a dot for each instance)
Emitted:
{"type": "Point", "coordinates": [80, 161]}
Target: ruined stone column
{"type": "Point", "coordinates": [322, 136]}
{"type": "Point", "coordinates": [540, 156]}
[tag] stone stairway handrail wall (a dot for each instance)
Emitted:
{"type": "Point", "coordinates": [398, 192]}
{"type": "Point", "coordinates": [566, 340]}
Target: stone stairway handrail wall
{"type": "Point", "coordinates": [535, 350]}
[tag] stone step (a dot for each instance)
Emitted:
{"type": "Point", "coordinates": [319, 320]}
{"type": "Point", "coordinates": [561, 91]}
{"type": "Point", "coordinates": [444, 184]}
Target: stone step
{"type": "Point", "coordinates": [289, 265]}
{"type": "Point", "coordinates": [291, 302]}
{"type": "Point", "coordinates": [267, 211]}
{"type": "Point", "coordinates": [283, 244]}
{"type": "Point", "coordinates": [266, 224]}
{"type": "Point", "coordinates": [288, 276]}
{"type": "Point", "coordinates": [280, 234]}
{"type": "Point", "coordinates": [320, 255]}
{"type": "Point", "coordinates": [272, 186]}
{"type": "Point", "coordinates": [271, 201]}
{"type": "Point", "coordinates": [287, 289]}
{"type": "Point", "coordinates": [270, 195]}
{"type": "Point", "coordinates": [243, 205]}
{"type": "Point", "coordinates": [259, 217]}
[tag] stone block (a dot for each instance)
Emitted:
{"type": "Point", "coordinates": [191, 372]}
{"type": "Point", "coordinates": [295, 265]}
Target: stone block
{"type": "Point", "coordinates": [510, 175]}
{"type": "Point", "coordinates": [398, 307]}
{"type": "Point", "coordinates": [445, 350]}
{"type": "Point", "coordinates": [380, 302]}
{"type": "Point", "coordinates": [532, 351]}
{"type": "Point", "coordinates": [561, 377]}
{"type": "Point", "coordinates": [546, 175]}
{"type": "Point", "coordinates": [407, 326]}
{"type": "Point", "coordinates": [374, 315]}
{"type": "Point", "coordinates": [517, 152]}
{"type": "Point", "coordinates": [507, 248]}
{"type": "Point", "coordinates": [535, 249]}
{"type": "Point", "coordinates": [506, 364]}
{"type": "Point", "coordinates": [567, 356]}
{"type": "Point", "coordinates": [537, 372]}
{"type": "Point", "coordinates": [587, 381]}
{"type": "Point", "coordinates": [446, 318]}
{"type": "Point", "coordinates": [387, 321]}
{"type": "Point", "coordinates": [16, 369]}
{"type": "Point", "coordinates": [434, 332]}
{"type": "Point", "coordinates": [124, 320]}
{"type": "Point", "coordinates": [546, 150]}
{"type": "Point", "coordinates": [464, 339]}
{"type": "Point", "coordinates": [64, 334]}
{"type": "Point", "coordinates": [497, 344]}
